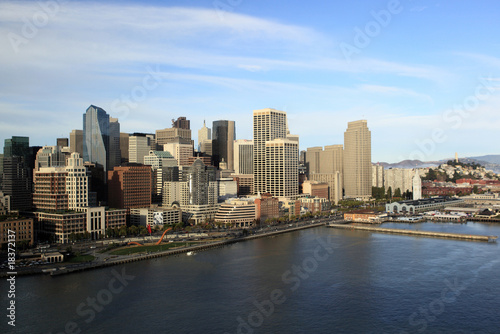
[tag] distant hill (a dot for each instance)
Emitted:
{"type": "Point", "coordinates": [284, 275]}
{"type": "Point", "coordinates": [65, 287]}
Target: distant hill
{"type": "Point", "coordinates": [492, 158]}
{"type": "Point", "coordinates": [410, 164]}
{"type": "Point", "coordinates": [490, 162]}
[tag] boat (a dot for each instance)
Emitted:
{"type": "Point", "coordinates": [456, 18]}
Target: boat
{"type": "Point", "coordinates": [190, 253]}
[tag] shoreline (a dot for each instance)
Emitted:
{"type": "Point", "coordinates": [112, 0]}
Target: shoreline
{"type": "Point", "coordinates": [61, 269]}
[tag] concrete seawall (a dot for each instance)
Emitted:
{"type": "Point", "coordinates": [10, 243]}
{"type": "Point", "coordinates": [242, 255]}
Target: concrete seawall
{"type": "Point", "coordinates": [140, 257]}
{"type": "Point", "coordinates": [469, 237]}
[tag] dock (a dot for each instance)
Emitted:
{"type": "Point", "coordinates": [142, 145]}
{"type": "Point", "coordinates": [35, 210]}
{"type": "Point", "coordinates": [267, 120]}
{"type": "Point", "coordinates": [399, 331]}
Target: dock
{"type": "Point", "coordinates": [470, 237]}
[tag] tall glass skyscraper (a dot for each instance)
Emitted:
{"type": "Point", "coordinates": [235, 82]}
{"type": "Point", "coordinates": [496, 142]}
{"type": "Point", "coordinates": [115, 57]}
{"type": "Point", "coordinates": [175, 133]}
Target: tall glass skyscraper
{"type": "Point", "coordinates": [223, 136]}
{"type": "Point", "coordinates": [17, 175]}
{"type": "Point", "coordinates": [100, 139]}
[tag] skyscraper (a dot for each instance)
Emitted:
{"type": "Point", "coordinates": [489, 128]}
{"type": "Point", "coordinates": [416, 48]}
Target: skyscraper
{"type": "Point", "coordinates": [268, 124]}
{"type": "Point", "coordinates": [17, 172]}
{"type": "Point", "coordinates": [417, 186]}
{"type": "Point", "coordinates": [223, 136]}
{"type": "Point", "coordinates": [62, 142]}
{"type": "Point", "coordinates": [357, 160]}
{"type": "Point", "coordinates": [243, 156]}
{"type": "Point", "coordinates": [114, 143]}
{"type": "Point", "coordinates": [274, 154]}
{"type": "Point", "coordinates": [181, 123]}
{"type": "Point", "coordinates": [76, 141]}
{"type": "Point", "coordinates": [205, 140]}
{"type": "Point", "coordinates": [326, 166]}
{"type": "Point", "coordinates": [77, 182]}
{"type": "Point", "coordinates": [139, 145]}
{"type": "Point", "coordinates": [49, 156]}
{"type": "Point", "coordinates": [101, 138]}
{"type": "Point", "coordinates": [96, 136]}
{"type": "Point", "coordinates": [130, 187]}
{"type": "Point", "coordinates": [199, 178]}
{"type": "Point", "coordinates": [124, 139]}
{"type": "Point", "coordinates": [282, 162]}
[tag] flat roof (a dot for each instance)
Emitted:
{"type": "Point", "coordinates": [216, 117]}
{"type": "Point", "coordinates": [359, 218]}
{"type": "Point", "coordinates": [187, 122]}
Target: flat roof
{"type": "Point", "coordinates": [431, 200]}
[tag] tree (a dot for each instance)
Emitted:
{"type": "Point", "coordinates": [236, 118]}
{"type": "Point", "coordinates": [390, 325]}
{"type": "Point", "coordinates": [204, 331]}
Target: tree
{"type": "Point", "coordinates": [431, 175]}
{"type": "Point", "coordinates": [133, 230]}
{"type": "Point", "coordinates": [122, 231]}
{"type": "Point", "coordinates": [143, 230]}
{"type": "Point", "coordinates": [389, 193]}
{"type": "Point", "coordinates": [397, 193]}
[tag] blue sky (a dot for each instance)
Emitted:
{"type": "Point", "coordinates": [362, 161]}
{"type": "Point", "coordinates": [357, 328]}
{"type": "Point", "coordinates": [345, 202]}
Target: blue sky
{"type": "Point", "coordinates": [424, 74]}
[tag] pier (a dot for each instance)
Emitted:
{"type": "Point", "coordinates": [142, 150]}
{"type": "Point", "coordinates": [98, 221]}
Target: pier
{"type": "Point", "coordinates": [470, 237]}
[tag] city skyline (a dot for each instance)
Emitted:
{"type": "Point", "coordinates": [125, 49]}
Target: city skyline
{"type": "Point", "coordinates": [397, 64]}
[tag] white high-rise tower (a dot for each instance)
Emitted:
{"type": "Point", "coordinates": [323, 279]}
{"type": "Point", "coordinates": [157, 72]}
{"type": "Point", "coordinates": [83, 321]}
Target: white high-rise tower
{"type": "Point", "coordinates": [275, 154]}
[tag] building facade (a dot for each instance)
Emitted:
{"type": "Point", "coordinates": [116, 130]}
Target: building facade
{"type": "Point", "coordinates": [223, 137]}
{"type": "Point", "coordinates": [282, 162]}
{"type": "Point", "coordinates": [268, 124]}
{"type": "Point", "coordinates": [326, 165]}
{"type": "Point", "coordinates": [100, 142]}
{"type": "Point", "coordinates": [243, 157]}
{"type": "Point", "coordinates": [17, 174]}
{"type": "Point", "coordinates": [130, 187]}
{"type": "Point", "coordinates": [76, 141]}
{"type": "Point", "coordinates": [357, 160]}
{"type": "Point", "coordinates": [22, 227]}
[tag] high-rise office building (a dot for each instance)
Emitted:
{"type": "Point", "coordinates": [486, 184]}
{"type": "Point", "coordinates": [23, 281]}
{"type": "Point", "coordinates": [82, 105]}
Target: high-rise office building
{"type": "Point", "coordinates": [50, 189]}
{"type": "Point", "coordinates": [282, 161]}
{"type": "Point", "coordinates": [179, 133]}
{"type": "Point", "coordinates": [101, 138]}
{"type": "Point", "coordinates": [205, 140]}
{"type": "Point", "coordinates": [139, 145]}
{"type": "Point", "coordinates": [326, 165]}
{"type": "Point", "coordinates": [96, 136]}
{"type": "Point", "coordinates": [180, 152]}
{"type": "Point", "coordinates": [17, 172]}
{"type": "Point", "coordinates": [76, 141]}
{"type": "Point", "coordinates": [398, 178]}
{"type": "Point", "coordinates": [268, 124]}
{"type": "Point", "coordinates": [1, 170]}
{"type": "Point", "coordinates": [223, 136]}
{"type": "Point", "coordinates": [377, 175]}
{"type": "Point", "coordinates": [200, 180]}
{"type": "Point", "coordinates": [357, 160]}
{"type": "Point", "coordinates": [181, 123]}
{"type": "Point", "coordinates": [417, 186]}
{"type": "Point", "coordinates": [204, 133]}
{"type": "Point", "coordinates": [164, 167]}
{"type": "Point", "coordinates": [130, 187]}
{"type": "Point", "coordinates": [124, 142]}
{"type": "Point", "coordinates": [77, 182]}
{"type": "Point", "coordinates": [62, 142]}
{"type": "Point", "coordinates": [49, 156]}
{"type": "Point", "coordinates": [114, 143]}
{"type": "Point", "coordinates": [243, 156]}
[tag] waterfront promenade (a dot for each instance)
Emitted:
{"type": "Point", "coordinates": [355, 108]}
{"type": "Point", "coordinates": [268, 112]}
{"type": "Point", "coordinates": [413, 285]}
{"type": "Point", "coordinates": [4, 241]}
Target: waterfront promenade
{"type": "Point", "coordinates": [105, 260]}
